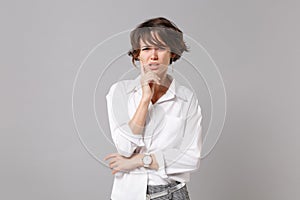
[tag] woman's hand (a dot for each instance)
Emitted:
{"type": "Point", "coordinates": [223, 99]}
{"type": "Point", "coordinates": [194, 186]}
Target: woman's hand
{"type": "Point", "coordinates": [120, 163]}
{"type": "Point", "coordinates": [148, 78]}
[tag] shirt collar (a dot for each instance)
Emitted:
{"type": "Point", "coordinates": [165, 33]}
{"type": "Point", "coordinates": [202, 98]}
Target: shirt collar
{"type": "Point", "coordinates": [134, 85]}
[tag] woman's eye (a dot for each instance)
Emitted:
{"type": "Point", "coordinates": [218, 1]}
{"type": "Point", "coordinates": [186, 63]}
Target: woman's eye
{"type": "Point", "coordinates": [145, 49]}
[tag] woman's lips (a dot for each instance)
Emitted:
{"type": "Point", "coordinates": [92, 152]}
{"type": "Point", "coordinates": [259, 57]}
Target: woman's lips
{"type": "Point", "coordinates": [153, 66]}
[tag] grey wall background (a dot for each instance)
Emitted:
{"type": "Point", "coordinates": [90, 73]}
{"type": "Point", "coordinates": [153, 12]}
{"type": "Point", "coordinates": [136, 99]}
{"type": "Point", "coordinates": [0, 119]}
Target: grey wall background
{"type": "Point", "coordinates": [254, 43]}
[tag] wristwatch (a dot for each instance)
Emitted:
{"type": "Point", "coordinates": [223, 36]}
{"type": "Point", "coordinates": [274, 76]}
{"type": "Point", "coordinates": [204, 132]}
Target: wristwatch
{"type": "Point", "coordinates": [147, 160]}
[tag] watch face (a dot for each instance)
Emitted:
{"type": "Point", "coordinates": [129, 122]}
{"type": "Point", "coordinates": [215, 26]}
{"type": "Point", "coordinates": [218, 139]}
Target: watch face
{"type": "Point", "coordinates": [147, 160]}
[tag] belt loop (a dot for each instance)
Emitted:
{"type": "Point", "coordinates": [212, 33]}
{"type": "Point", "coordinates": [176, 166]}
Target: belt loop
{"type": "Point", "coordinates": [169, 195]}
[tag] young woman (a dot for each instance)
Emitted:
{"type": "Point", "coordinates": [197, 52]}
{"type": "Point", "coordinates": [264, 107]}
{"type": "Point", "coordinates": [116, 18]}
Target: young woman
{"type": "Point", "coordinates": [155, 123]}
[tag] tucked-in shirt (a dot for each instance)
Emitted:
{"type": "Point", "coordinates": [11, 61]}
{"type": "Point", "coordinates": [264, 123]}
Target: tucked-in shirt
{"type": "Point", "coordinates": [172, 132]}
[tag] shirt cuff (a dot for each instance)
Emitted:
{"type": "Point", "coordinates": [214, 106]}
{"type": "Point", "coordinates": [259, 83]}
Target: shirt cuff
{"type": "Point", "coordinates": [126, 142]}
{"type": "Point", "coordinates": [125, 132]}
{"type": "Point", "coordinates": [161, 164]}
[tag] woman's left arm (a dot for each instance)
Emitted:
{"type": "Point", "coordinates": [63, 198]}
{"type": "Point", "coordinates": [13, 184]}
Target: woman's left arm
{"type": "Point", "coordinates": [119, 163]}
{"type": "Point", "coordinates": [186, 157]}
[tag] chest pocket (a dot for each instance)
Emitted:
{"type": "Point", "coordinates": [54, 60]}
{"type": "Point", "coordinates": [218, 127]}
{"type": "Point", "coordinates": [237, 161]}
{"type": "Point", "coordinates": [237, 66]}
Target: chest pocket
{"type": "Point", "coordinates": [171, 132]}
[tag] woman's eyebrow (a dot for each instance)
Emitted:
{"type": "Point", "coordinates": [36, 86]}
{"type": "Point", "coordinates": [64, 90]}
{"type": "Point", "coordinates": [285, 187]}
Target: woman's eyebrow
{"type": "Point", "coordinates": [152, 46]}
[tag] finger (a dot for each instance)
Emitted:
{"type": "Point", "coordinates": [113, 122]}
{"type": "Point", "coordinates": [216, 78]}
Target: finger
{"type": "Point", "coordinates": [113, 164]}
{"type": "Point", "coordinates": [154, 80]}
{"type": "Point", "coordinates": [115, 171]}
{"type": "Point", "coordinates": [147, 69]}
{"type": "Point", "coordinates": [156, 76]}
{"type": "Point", "coordinates": [152, 74]}
{"type": "Point", "coordinates": [152, 92]}
{"type": "Point", "coordinates": [109, 157]}
{"type": "Point", "coordinates": [112, 155]}
{"type": "Point", "coordinates": [157, 81]}
{"type": "Point", "coordinates": [152, 77]}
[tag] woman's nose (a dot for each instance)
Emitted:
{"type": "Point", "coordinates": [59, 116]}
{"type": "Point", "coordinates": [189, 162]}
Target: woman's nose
{"type": "Point", "coordinates": [154, 54]}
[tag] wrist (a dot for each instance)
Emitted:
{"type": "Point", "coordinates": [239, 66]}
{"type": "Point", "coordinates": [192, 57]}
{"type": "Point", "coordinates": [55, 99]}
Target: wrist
{"type": "Point", "coordinates": [147, 160]}
{"type": "Point", "coordinates": [139, 160]}
{"type": "Point", "coordinates": [145, 100]}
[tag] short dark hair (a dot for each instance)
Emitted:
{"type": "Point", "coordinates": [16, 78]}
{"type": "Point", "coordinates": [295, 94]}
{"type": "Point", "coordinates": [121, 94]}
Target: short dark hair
{"type": "Point", "coordinates": [166, 30]}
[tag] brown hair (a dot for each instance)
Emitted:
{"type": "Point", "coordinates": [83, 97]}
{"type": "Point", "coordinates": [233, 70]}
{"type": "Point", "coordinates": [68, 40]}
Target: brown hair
{"type": "Point", "coordinates": [167, 31]}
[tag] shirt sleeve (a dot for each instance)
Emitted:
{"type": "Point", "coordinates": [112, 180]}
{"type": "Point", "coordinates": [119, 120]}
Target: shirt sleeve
{"type": "Point", "coordinates": [186, 157]}
{"type": "Point", "coordinates": [125, 141]}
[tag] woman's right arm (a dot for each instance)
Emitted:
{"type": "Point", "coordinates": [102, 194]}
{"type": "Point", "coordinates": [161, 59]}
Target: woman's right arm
{"type": "Point", "coordinates": [138, 120]}
{"type": "Point", "coordinates": [137, 123]}
{"type": "Point", "coordinates": [127, 133]}
{"type": "Point", "coordinates": [117, 107]}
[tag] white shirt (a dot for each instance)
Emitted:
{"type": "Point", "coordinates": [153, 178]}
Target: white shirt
{"type": "Point", "coordinates": [172, 133]}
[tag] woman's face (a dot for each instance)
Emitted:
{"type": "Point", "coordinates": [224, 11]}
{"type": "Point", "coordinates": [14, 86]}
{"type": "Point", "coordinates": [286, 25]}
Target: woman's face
{"type": "Point", "coordinates": [154, 58]}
